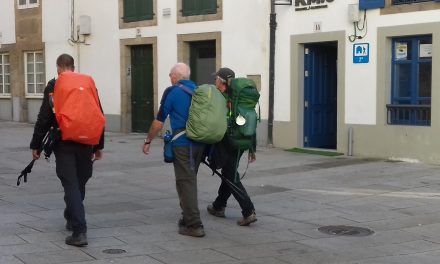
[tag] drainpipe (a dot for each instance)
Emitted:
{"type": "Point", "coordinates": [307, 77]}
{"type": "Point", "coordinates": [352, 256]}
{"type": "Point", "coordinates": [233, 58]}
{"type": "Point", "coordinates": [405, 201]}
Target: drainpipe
{"type": "Point", "coordinates": [273, 27]}
{"type": "Point", "coordinates": [74, 40]}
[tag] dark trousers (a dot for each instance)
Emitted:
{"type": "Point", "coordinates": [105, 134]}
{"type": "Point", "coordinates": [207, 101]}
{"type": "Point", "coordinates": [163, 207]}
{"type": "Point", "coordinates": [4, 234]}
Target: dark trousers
{"type": "Point", "coordinates": [186, 165]}
{"type": "Point", "coordinates": [74, 169]}
{"type": "Point", "coordinates": [229, 171]}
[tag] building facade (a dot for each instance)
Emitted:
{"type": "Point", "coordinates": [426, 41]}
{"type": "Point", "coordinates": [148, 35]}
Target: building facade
{"type": "Point", "coordinates": [355, 76]}
{"type": "Point", "coordinates": [361, 78]}
{"type": "Point", "coordinates": [129, 50]}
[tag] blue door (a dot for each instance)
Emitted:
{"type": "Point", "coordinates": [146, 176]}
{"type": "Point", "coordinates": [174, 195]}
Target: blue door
{"type": "Point", "coordinates": [320, 95]}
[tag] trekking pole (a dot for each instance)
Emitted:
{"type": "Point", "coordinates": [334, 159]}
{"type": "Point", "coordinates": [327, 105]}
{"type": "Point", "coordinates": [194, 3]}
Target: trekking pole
{"type": "Point", "coordinates": [46, 141]}
{"type": "Point", "coordinates": [24, 172]}
{"type": "Point", "coordinates": [229, 182]}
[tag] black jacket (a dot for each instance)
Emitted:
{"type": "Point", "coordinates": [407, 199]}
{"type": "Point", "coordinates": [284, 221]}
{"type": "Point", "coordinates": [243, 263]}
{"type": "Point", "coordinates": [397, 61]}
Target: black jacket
{"type": "Point", "coordinates": [46, 119]}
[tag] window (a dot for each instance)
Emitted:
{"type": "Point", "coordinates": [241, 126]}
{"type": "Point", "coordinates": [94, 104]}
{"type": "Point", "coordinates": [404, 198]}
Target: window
{"type": "Point", "coordinates": [406, 6]}
{"type": "Point", "coordinates": [34, 73]}
{"type": "Point", "coordinates": [411, 81]}
{"type": "Point", "coordinates": [402, 2]}
{"type": "Point", "coordinates": [5, 85]}
{"type": "Point", "coordinates": [138, 10]}
{"type": "Point", "coordinates": [198, 7]}
{"type": "Point", "coordinates": [27, 4]}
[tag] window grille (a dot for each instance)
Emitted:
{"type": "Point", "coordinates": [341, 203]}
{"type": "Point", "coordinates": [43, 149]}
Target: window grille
{"type": "Point", "coordinates": [403, 2]}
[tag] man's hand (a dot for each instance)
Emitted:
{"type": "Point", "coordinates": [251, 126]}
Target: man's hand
{"type": "Point", "coordinates": [146, 149]}
{"type": "Point", "coordinates": [35, 154]}
{"type": "Point", "coordinates": [97, 155]}
{"type": "Point", "coordinates": [251, 157]}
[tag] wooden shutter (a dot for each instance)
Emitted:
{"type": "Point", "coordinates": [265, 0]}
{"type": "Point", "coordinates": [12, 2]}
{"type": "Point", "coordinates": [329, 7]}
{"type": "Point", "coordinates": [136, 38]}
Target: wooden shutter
{"type": "Point", "coordinates": [208, 6]}
{"type": "Point", "coordinates": [198, 7]}
{"type": "Point", "coordinates": [137, 10]}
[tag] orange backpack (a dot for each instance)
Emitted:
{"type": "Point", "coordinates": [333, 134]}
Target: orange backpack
{"type": "Point", "coordinates": [77, 108]}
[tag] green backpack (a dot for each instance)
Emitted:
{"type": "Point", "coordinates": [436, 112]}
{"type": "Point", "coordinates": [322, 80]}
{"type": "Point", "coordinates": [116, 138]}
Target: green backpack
{"type": "Point", "coordinates": [207, 114]}
{"type": "Point", "coordinates": [243, 97]}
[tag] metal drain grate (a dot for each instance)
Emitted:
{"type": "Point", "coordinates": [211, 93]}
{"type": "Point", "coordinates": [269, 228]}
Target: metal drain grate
{"type": "Point", "coordinates": [114, 251]}
{"type": "Point", "coordinates": [346, 230]}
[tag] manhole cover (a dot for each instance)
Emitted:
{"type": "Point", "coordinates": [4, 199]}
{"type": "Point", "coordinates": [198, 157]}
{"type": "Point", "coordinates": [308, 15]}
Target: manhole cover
{"type": "Point", "coordinates": [114, 251]}
{"type": "Point", "coordinates": [346, 230]}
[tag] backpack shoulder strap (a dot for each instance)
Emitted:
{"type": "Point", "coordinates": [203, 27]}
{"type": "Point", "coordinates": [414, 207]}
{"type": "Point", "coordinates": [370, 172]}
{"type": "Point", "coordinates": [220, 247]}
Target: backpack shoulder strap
{"type": "Point", "coordinates": [185, 89]}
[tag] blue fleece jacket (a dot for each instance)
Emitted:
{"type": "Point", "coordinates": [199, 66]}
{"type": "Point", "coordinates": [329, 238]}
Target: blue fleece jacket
{"type": "Point", "coordinates": [175, 103]}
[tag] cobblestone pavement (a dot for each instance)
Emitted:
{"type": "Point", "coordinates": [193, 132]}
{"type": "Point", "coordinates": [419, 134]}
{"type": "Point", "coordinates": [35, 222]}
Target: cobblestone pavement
{"type": "Point", "coordinates": [132, 207]}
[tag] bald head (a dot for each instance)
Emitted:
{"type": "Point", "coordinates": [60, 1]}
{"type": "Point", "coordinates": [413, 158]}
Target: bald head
{"type": "Point", "coordinates": [180, 71]}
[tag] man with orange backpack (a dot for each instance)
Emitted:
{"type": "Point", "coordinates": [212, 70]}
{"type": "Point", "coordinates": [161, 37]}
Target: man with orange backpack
{"type": "Point", "coordinates": [71, 103]}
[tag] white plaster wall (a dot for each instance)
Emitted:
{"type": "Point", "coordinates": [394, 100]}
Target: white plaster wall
{"type": "Point", "coordinates": [245, 40]}
{"type": "Point", "coordinates": [7, 21]}
{"type": "Point", "coordinates": [166, 42]}
{"type": "Point", "coordinates": [55, 33]}
{"type": "Point", "coordinates": [360, 79]}
{"type": "Point", "coordinates": [100, 57]}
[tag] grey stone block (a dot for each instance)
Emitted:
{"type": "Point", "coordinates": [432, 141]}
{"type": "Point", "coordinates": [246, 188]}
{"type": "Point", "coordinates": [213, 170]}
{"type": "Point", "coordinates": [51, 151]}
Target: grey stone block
{"type": "Point", "coordinates": [64, 256]}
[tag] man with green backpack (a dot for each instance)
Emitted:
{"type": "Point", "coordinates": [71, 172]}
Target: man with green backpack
{"type": "Point", "coordinates": [242, 96]}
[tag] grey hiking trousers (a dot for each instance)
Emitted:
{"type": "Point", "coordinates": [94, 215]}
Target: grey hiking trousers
{"type": "Point", "coordinates": [185, 171]}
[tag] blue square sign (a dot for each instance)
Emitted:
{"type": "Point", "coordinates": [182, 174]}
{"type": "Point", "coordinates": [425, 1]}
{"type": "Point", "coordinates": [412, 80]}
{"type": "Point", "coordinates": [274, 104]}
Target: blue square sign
{"type": "Point", "coordinates": [361, 53]}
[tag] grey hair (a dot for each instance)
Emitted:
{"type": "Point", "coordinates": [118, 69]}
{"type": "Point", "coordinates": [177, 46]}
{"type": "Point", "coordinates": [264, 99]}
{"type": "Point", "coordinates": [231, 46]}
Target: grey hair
{"type": "Point", "coordinates": [181, 70]}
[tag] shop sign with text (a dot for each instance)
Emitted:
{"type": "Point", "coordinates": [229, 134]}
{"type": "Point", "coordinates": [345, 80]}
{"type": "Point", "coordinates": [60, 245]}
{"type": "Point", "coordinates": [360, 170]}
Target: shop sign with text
{"type": "Point", "coordinates": [303, 5]}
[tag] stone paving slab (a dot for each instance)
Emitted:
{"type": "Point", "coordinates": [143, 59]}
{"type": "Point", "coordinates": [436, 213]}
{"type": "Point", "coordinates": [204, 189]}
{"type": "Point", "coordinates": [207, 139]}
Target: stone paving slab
{"type": "Point", "coordinates": [131, 204]}
{"type": "Point", "coordinates": [63, 256]}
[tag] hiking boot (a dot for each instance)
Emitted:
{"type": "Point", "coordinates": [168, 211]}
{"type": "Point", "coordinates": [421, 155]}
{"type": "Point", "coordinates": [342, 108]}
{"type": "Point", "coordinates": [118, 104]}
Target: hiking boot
{"type": "Point", "coordinates": [181, 222]}
{"type": "Point", "coordinates": [216, 212]}
{"type": "Point", "coordinates": [195, 231]}
{"type": "Point", "coordinates": [77, 240]}
{"type": "Point", "coordinates": [245, 221]}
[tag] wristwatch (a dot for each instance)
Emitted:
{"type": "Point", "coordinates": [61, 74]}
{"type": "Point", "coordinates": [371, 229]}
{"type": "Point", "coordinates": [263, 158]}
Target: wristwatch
{"type": "Point", "coordinates": [146, 142]}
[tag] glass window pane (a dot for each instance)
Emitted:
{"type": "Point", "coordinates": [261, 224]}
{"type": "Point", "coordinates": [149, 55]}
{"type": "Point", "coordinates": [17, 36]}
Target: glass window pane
{"type": "Point", "coordinates": [38, 57]}
{"type": "Point", "coordinates": [7, 79]}
{"type": "Point", "coordinates": [403, 80]}
{"type": "Point", "coordinates": [6, 59]}
{"type": "Point", "coordinates": [7, 69]}
{"type": "Point", "coordinates": [40, 88]}
{"type": "Point", "coordinates": [33, 1]}
{"type": "Point", "coordinates": [7, 88]}
{"type": "Point", "coordinates": [1, 79]}
{"type": "Point", "coordinates": [425, 48]}
{"type": "Point", "coordinates": [40, 78]}
{"type": "Point", "coordinates": [402, 50]}
{"type": "Point", "coordinates": [40, 67]}
{"type": "Point", "coordinates": [30, 88]}
{"type": "Point", "coordinates": [425, 74]}
{"type": "Point", "coordinates": [30, 67]}
{"type": "Point", "coordinates": [30, 78]}
{"type": "Point", "coordinates": [22, 2]}
{"type": "Point", "coordinates": [1, 88]}
{"type": "Point", "coordinates": [30, 57]}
